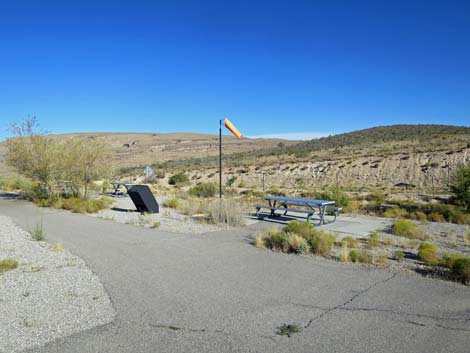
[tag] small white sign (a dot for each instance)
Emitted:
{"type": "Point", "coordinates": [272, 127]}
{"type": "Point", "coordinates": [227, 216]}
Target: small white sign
{"type": "Point", "coordinates": [148, 171]}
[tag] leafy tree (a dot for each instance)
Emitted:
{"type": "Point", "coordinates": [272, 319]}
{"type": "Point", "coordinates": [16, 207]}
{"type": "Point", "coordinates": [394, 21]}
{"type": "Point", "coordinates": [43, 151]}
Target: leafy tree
{"type": "Point", "coordinates": [32, 154]}
{"type": "Point", "coordinates": [47, 160]}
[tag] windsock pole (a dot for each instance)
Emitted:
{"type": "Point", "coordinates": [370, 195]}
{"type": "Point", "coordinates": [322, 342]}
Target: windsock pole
{"type": "Point", "coordinates": [220, 159]}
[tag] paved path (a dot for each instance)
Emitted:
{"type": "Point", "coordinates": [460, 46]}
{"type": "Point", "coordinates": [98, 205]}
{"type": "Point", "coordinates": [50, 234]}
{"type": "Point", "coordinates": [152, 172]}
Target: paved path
{"type": "Point", "coordinates": [217, 293]}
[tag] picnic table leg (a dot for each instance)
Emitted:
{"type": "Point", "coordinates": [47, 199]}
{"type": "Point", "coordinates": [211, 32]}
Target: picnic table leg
{"type": "Point", "coordinates": [322, 215]}
{"type": "Point", "coordinates": [272, 204]}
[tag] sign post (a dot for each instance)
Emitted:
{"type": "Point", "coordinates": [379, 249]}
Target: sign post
{"type": "Point", "coordinates": [148, 172]}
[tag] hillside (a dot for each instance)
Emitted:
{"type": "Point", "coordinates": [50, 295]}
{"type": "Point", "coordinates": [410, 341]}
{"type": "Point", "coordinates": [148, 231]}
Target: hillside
{"type": "Point", "coordinates": [422, 155]}
{"type": "Point", "coordinates": [383, 134]}
{"type": "Point", "coordinates": [136, 149]}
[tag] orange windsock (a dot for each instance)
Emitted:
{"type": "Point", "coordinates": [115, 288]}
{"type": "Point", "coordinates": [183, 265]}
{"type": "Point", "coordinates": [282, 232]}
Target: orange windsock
{"type": "Point", "coordinates": [232, 128]}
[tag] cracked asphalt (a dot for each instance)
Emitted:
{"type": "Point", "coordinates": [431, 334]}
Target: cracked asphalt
{"type": "Point", "coordinates": [215, 292]}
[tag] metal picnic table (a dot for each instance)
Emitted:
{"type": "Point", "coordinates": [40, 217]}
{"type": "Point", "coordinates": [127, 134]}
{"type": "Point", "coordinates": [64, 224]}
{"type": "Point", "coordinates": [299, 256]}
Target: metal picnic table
{"type": "Point", "coordinates": [308, 206]}
{"type": "Point", "coordinates": [117, 186]}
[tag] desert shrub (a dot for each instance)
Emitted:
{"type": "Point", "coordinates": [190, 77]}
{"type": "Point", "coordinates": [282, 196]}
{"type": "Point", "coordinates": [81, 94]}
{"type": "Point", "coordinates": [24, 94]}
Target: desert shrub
{"type": "Point", "coordinates": [350, 241]}
{"type": "Point", "coordinates": [408, 229]}
{"type": "Point", "coordinates": [227, 212]}
{"type": "Point", "coordinates": [172, 203]}
{"type": "Point", "coordinates": [461, 269]}
{"type": "Point", "coordinates": [354, 255]}
{"type": "Point", "coordinates": [8, 265]}
{"type": "Point", "coordinates": [368, 257]}
{"type": "Point", "coordinates": [436, 212]}
{"type": "Point", "coordinates": [231, 181]}
{"type": "Point", "coordinates": [38, 233]}
{"type": "Point", "coordinates": [193, 206]}
{"type": "Point", "coordinates": [459, 185]}
{"type": "Point", "coordinates": [258, 193]}
{"type": "Point", "coordinates": [436, 217]}
{"type": "Point", "coordinates": [399, 255]}
{"type": "Point", "coordinates": [204, 190]}
{"type": "Point", "coordinates": [179, 179]}
{"type": "Point", "coordinates": [303, 229]}
{"type": "Point", "coordinates": [448, 260]}
{"type": "Point", "coordinates": [156, 225]}
{"type": "Point", "coordinates": [47, 160]}
{"type": "Point", "coordinates": [466, 239]}
{"type": "Point", "coordinates": [85, 206]}
{"type": "Point", "coordinates": [276, 191]}
{"type": "Point", "coordinates": [419, 216]}
{"type": "Point", "coordinates": [353, 207]}
{"type": "Point", "coordinates": [297, 244]}
{"type": "Point", "coordinates": [276, 241]}
{"type": "Point", "coordinates": [373, 240]}
{"type": "Point", "coordinates": [341, 199]}
{"type": "Point", "coordinates": [344, 255]}
{"type": "Point", "coordinates": [427, 252]}
{"type": "Point", "coordinates": [322, 243]}
{"type": "Point", "coordinates": [376, 197]}
{"type": "Point", "coordinates": [395, 212]}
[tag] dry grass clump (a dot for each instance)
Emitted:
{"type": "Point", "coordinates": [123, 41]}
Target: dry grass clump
{"type": "Point", "coordinates": [297, 244]}
{"type": "Point", "coordinates": [466, 239]}
{"type": "Point", "coordinates": [368, 257]}
{"type": "Point", "coordinates": [428, 253]}
{"type": "Point", "coordinates": [296, 237]}
{"type": "Point", "coordinates": [172, 203]}
{"type": "Point", "coordinates": [226, 211]}
{"type": "Point", "coordinates": [350, 241]}
{"type": "Point", "coordinates": [75, 204]}
{"type": "Point", "coordinates": [461, 269]}
{"type": "Point", "coordinates": [408, 229]}
{"type": "Point", "coordinates": [373, 240]}
{"type": "Point", "coordinates": [8, 265]}
{"type": "Point", "coordinates": [344, 255]}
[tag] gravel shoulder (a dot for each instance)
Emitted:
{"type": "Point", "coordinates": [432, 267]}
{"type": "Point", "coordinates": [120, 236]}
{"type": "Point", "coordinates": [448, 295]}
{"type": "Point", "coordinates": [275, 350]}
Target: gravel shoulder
{"type": "Point", "coordinates": [52, 293]}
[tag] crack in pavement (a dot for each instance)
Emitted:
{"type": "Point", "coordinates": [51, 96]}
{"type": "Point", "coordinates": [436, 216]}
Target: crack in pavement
{"type": "Point", "coordinates": [342, 306]}
{"type": "Point", "coordinates": [339, 306]}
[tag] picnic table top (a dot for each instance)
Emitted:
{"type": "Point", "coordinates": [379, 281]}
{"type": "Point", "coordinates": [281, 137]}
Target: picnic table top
{"type": "Point", "coordinates": [299, 200]}
{"type": "Point", "coordinates": [121, 183]}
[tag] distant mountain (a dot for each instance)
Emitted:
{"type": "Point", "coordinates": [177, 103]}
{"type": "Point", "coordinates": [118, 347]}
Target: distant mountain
{"type": "Point", "coordinates": [383, 134]}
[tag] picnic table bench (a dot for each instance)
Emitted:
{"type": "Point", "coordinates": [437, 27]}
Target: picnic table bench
{"type": "Point", "coordinates": [117, 187]}
{"type": "Point", "coordinates": [309, 207]}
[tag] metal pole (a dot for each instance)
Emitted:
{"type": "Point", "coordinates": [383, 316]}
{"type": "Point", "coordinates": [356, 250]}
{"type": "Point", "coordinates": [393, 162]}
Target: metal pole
{"type": "Point", "coordinates": [220, 159]}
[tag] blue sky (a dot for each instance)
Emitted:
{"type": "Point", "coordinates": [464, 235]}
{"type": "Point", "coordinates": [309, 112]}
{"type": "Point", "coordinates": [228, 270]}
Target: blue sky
{"type": "Point", "coordinates": [273, 67]}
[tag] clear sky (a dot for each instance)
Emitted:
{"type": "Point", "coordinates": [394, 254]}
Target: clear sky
{"type": "Point", "coordinates": [272, 67]}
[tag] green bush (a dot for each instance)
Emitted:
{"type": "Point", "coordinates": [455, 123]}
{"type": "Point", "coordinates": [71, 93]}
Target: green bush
{"type": "Point", "coordinates": [354, 255]}
{"type": "Point", "coordinates": [179, 179]}
{"type": "Point", "coordinates": [204, 190]}
{"type": "Point", "coordinates": [303, 229]}
{"type": "Point", "coordinates": [459, 185]}
{"type": "Point", "coordinates": [461, 269]}
{"type": "Point", "coordinates": [350, 241]}
{"type": "Point", "coordinates": [341, 199]}
{"type": "Point", "coordinates": [373, 241]}
{"type": "Point", "coordinates": [427, 252]}
{"type": "Point", "coordinates": [399, 255]}
{"type": "Point", "coordinates": [276, 241]}
{"type": "Point", "coordinates": [322, 243]}
{"type": "Point", "coordinates": [395, 212]}
{"type": "Point", "coordinates": [408, 229]}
